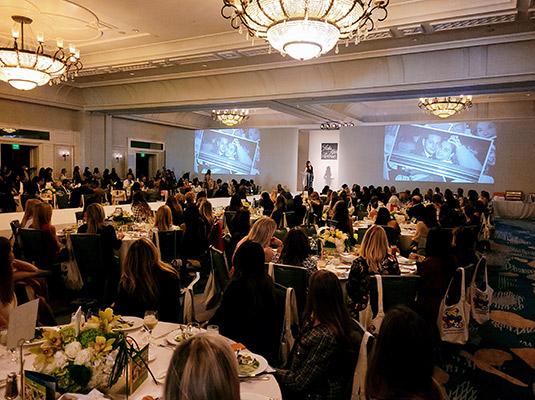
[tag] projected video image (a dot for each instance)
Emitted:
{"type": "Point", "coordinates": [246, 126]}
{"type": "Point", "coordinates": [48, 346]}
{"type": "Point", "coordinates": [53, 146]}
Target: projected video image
{"type": "Point", "coordinates": [456, 152]}
{"type": "Point", "coordinates": [227, 151]}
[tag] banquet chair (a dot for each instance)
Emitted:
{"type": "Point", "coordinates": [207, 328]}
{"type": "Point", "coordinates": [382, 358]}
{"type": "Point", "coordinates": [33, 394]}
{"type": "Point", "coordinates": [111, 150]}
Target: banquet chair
{"type": "Point", "coordinates": [87, 252]}
{"type": "Point", "coordinates": [168, 244]}
{"type": "Point", "coordinates": [187, 302]}
{"type": "Point", "coordinates": [227, 217]}
{"type": "Point", "coordinates": [24, 198]}
{"type": "Point", "coordinates": [79, 216]}
{"type": "Point", "coordinates": [310, 230]}
{"type": "Point", "coordinates": [294, 277]}
{"type": "Point", "coordinates": [218, 279]}
{"type": "Point", "coordinates": [61, 200]}
{"type": "Point", "coordinates": [390, 235]}
{"type": "Point", "coordinates": [288, 219]}
{"type": "Point", "coordinates": [365, 349]}
{"type": "Point", "coordinates": [34, 250]}
{"type": "Point", "coordinates": [361, 232]}
{"type": "Point", "coordinates": [281, 233]}
{"type": "Point", "coordinates": [397, 289]}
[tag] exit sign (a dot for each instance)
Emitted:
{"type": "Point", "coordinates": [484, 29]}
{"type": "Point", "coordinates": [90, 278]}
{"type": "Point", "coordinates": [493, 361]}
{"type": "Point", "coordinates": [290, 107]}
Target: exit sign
{"type": "Point", "coordinates": [142, 154]}
{"type": "Point", "coordinates": [16, 147]}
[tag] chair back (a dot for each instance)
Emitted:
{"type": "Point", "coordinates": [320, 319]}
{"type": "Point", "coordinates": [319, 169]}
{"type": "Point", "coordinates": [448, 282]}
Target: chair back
{"type": "Point", "coordinates": [294, 277]}
{"type": "Point", "coordinates": [361, 232]}
{"type": "Point", "coordinates": [88, 255]}
{"type": "Point", "coordinates": [79, 215]}
{"type": "Point", "coordinates": [390, 234]}
{"type": "Point", "coordinates": [361, 214]}
{"type": "Point", "coordinates": [227, 217]}
{"type": "Point", "coordinates": [281, 233]}
{"type": "Point", "coordinates": [288, 219]}
{"type": "Point", "coordinates": [167, 244]}
{"type": "Point", "coordinates": [219, 267]}
{"type": "Point", "coordinates": [33, 248]}
{"type": "Point", "coordinates": [422, 243]}
{"type": "Point", "coordinates": [24, 198]}
{"type": "Point", "coordinates": [62, 200]}
{"type": "Point", "coordinates": [311, 230]}
{"type": "Point", "coordinates": [187, 302]}
{"type": "Point", "coordinates": [397, 289]}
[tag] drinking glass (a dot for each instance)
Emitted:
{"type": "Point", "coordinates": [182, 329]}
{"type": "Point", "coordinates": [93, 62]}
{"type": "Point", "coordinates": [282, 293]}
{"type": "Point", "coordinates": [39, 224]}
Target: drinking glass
{"type": "Point", "coordinates": [193, 329]}
{"type": "Point", "coordinates": [150, 320]}
{"type": "Point", "coordinates": [93, 312]}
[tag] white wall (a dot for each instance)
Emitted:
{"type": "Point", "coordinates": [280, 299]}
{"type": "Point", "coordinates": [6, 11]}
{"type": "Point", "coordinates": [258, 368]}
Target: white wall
{"type": "Point", "coordinates": [321, 167]}
{"type": "Point", "coordinates": [361, 159]}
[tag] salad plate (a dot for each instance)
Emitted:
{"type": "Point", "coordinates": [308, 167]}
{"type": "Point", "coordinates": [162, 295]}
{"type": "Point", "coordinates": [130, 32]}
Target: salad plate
{"type": "Point", "coordinates": [250, 364]}
{"type": "Point", "coordinates": [179, 335]}
{"type": "Point", "coordinates": [127, 324]}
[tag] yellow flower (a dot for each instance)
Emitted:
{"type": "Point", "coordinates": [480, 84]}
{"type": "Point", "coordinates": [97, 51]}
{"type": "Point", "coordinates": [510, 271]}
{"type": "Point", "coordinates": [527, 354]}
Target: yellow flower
{"type": "Point", "coordinates": [102, 345]}
{"type": "Point", "coordinates": [52, 337]}
{"type": "Point", "coordinates": [48, 351]}
{"type": "Point", "coordinates": [339, 235]}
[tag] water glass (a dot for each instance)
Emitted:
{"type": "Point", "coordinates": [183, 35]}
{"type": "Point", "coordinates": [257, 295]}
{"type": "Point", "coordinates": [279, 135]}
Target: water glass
{"type": "Point", "coordinates": [150, 320]}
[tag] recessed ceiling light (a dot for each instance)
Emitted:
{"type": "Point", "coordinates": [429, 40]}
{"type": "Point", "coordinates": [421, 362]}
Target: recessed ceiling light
{"type": "Point", "coordinates": [132, 73]}
{"type": "Point", "coordinates": [204, 65]}
{"type": "Point", "coordinates": [121, 32]}
{"type": "Point", "coordinates": [135, 30]}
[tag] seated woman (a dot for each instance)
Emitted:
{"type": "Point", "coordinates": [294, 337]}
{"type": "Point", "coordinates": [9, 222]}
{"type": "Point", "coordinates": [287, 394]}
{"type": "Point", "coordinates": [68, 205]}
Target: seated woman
{"type": "Point", "coordinates": [266, 203]}
{"type": "Point", "coordinates": [296, 251]}
{"type": "Point", "coordinates": [300, 211]}
{"type": "Point", "coordinates": [463, 249]}
{"type": "Point", "coordinates": [240, 226]}
{"type": "Point", "coordinates": [280, 208]}
{"type": "Point", "coordinates": [250, 312]}
{"type": "Point", "coordinates": [435, 272]}
{"type": "Point", "coordinates": [164, 219]}
{"type": "Point", "coordinates": [317, 207]}
{"type": "Point", "coordinates": [341, 216]}
{"type": "Point", "coordinates": [375, 258]}
{"type": "Point", "coordinates": [235, 203]}
{"type": "Point", "coordinates": [16, 272]}
{"type": "Point", "coordinates": [42, 221]}
{"type": "Point", "coordinates": [402, 362]}
{"type": "Point", "coordinates": [147, 284]}
{"type": "Point", "coordinates": [426, 221]}
{"type": "Point", "coordinates": [176, 209]}
{"type": "Point", "coordinates": [141, 209]}
{"type": "Point", "coordinates": [194, 241]}
{"type": "Point", "coordinates": [29, 210]}
{"type": "Point", "coordinates": [323, 358]}
{"type": "Point", "coordinates": [203, 367]}
{"type": "Point", "coordinates": [262, 233]}
{"type": "Point", "coordinates": [385, 219]}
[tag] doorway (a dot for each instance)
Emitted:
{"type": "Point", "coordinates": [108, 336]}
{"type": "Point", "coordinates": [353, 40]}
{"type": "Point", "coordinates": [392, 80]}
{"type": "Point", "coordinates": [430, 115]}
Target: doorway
{"type": "Point", "coordinates": [145, 165]}
{"type": "Point", "coordinates": [14, 156]}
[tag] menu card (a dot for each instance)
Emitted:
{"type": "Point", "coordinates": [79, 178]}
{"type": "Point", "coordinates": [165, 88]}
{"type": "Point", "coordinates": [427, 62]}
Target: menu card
{"type": "Point", "coordinates": [21, 326]}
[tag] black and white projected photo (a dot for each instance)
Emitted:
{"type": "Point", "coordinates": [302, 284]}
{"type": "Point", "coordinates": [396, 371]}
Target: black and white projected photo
{"type": "Point", "coordinates": [227, 151]}
{"type": "Point", "coordinates": [451, 152]}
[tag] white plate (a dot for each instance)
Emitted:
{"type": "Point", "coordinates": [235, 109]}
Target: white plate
{"type": "Point", "coordinates": [173, 334]}
{"type": "Point", "coordinates": [263, 364]}
{"type": "Point", "coordinates": [252, 396]}
{"type": "Point", "coordinates": [138, 323]}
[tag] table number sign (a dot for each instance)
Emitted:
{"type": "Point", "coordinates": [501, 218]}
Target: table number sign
{"type": "Point", "coordinates": [22, 324]}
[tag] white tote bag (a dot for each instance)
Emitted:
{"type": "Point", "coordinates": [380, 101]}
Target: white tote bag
{"type": "Point", "coordinates": [291, 318]}
{"type": "Point", "coordinates": [366, 315]}
{"type": "Point", "coordinates": [453, 320]}
{"type": "Point", "coordinates": [480, 299]}
{"type": "Point", "coordinates": [359, 378]}
{"type": "Point", "coordinates": [70, 271]}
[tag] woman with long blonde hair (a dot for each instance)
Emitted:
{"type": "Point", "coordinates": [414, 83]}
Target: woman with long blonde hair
{"type": "Point", "coordinates": [203, 367]}
{"type": "Point", "coordinates": [42, 218]}
{"type": "Point", "coordinates": [262, 233]}
{"type": "Point", "coordinates": [29, 209]}
{"type": "Point", "coordinates": [164, 218]}
{"type": "Point", "coordinates": [147, 283]}
{"type": "Point", "coordinates": [375, 258]}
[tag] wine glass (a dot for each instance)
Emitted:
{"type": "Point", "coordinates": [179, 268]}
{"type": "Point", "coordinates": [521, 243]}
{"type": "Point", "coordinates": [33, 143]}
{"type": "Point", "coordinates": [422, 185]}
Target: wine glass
{"type": "Point", "coordinates": [150, 320]}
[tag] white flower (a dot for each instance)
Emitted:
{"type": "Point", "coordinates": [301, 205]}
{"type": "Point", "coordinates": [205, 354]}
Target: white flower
{"type": "Point", "coordinates": [60, 360]}
{"type": "Point", "coordinates": [72, 349]}
{"type": "Point", "coordinates": [83, 357]}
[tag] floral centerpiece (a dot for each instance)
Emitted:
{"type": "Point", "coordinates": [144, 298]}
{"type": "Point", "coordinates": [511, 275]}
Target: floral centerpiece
{"type": "Point", "coordinates": [121, 218]}
{"type": "Point", "coordinates": [246, 204]}
{"type": "Point", "coordinates": [399, 216]}
{"type": "Point", "coordinates": [47, 193]}
{"type": "Point", "coordinates": [334, 238]}
{"type": "Point", "coordinates": [95, 358]}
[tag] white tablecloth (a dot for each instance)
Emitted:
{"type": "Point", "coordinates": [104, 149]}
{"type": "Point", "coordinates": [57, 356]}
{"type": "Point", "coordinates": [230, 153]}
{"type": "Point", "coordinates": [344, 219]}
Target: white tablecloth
{"type": "Point", "coordinates": [513, 209]}
{"type": "Point", "coordinates": [162, 357]}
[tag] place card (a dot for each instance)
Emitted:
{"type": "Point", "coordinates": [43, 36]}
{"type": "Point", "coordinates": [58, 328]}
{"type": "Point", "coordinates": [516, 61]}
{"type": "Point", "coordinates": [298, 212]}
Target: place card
{"type": "Point", "coordinates": [77, 319]}
{"type": "Point", "coordinates": [21, 326]}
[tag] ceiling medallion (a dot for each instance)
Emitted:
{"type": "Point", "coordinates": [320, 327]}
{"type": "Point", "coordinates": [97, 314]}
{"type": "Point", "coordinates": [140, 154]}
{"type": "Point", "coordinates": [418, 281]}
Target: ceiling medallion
{"type": "Point", "coordinates": [445, 107]}
{"type": "Point", "coordinates": [25, 69]}
{"type": "Point", "coordinates": [230, 117]}
{"type": "Point", "coordinates": [304, 29]}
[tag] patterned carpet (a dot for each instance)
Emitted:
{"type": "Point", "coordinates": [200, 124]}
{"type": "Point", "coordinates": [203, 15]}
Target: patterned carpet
{"type": "Point", "coordinates": [499, 360]}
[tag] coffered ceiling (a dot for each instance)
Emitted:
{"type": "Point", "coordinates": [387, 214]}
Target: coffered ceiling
{"type": "Point", "coordinates": [131, 44]}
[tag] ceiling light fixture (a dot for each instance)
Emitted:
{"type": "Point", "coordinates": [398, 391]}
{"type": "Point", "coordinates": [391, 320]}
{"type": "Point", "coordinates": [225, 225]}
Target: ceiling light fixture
{"type": "Point", "coordinates": [9, 130]}
{"type": "Point", "coordinates": [230, 117]}
{"type": "Point", "coordinates": [445, 107]}
{"type": "Point", "coordinates": [25, 69]}
{"type": "Point", "coordinates": [329, 126]}
{"type": "Point", "coordinates": [304, 29]}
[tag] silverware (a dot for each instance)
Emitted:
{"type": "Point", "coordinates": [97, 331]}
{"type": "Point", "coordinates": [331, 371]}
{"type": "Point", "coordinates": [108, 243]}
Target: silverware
{"type": "Point", "coordinates": [256, 378]}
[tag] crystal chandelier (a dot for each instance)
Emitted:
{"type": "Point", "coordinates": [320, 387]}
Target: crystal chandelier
{"type": "Point", "coordinates": [25, 69]}
{"type": "Point", "coordinates": [230, 117]}
{"type": "Point", "coordinates": [303, 29]}
{"type": "Point", "coordinates": [445, 107]}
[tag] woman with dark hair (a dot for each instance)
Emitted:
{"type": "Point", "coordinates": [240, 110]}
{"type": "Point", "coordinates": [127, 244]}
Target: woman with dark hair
{"type": "Point", "coordinates": [147, 284]}
{"type": "Point", "coordinates": [464, 241]}
{"type": "Point", "coordinates": [296, 251]}
{"type": "Point", "coordinates": [250, 313]}
{"type": "Point", "coordinates": [141, 209]}
{"type": "Point", "coordinates": [76, 177]}
{"type": "Point", "coordinates": [240, 225]}
{"type": "Point", "coordinates": [385, 219]}
{"type": "Point", "coordinates": [266, 203]}
{"type": "Point", "coordinates": [176, 209]}
{"type": "Point", "coordinates": [309, 175]}
{"type": "Point", "coordinates": [235, 203]}
{"type": "Point", "coordinates": [427, 220]}
{"type": "Point", "coordinates": [280, 208]}
{"type": "Point", "coordinates": [402, 361]}
{"type": "Point", "coordinates": [8, 300]}
{"type": "Point", "coordinates": [299, 210]}
{"type": "Point", "coordinates": [194, 242]}
{"type": "Point", "coordinates": [323, 359]}
{"type": "Point", "coordinates": [435, 272]}
{"type": "Point", "coordinates": [87, 173]}
{"type": "Point", "coordinates": [341, 216]}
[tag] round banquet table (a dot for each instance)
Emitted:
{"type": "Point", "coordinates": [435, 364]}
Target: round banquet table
{"type": "Point", "coordinates": [161, 357]}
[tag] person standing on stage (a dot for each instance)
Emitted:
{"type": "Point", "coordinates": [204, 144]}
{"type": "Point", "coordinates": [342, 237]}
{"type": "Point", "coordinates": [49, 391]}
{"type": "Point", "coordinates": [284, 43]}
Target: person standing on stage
{"type": "Point", "coordinates": [309, 175]}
